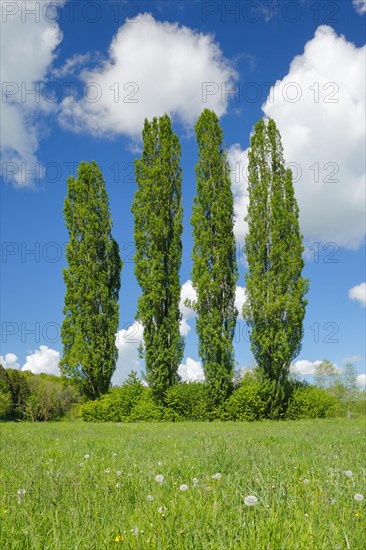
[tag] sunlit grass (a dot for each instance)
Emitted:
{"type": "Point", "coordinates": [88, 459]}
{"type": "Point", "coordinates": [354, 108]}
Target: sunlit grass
{"type": "Point", "coordinates": [95, 486]}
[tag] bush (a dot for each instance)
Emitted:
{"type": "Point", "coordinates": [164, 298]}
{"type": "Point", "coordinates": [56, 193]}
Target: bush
{"type": "Point", "coordinates": [249, 402]}
{"type": "Point", "coordinates": [187, 401]}
{"type": "Point", "coordinates": [146, 410]}
{"type": "Point", "coordinates": [312, 402]}
{"type": "Point", "coordinates": [114, 406]}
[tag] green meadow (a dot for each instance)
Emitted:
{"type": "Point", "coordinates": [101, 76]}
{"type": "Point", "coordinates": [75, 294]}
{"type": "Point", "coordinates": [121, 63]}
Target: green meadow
{"type": "Point", "coordinates": [184, 485]}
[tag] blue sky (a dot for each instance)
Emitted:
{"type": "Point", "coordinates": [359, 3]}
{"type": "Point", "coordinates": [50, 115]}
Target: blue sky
{"type": "Point", "coordinates": [96, 69]}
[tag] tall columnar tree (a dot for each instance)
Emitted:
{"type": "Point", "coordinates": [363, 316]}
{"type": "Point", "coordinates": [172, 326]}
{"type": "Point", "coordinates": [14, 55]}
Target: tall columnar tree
{"type": "Point", "coordinates": [158, 212]}
{"type": "Point", "coordinates": [214, 272]}
{"type": "Point", "coordinates": [92, 284]}
{"type": "Point", "coordinates": [275, 289]}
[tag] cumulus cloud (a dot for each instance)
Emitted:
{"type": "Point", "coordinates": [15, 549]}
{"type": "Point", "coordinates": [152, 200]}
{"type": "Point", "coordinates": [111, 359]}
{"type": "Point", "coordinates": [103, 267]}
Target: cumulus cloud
{"type": "Point", "coordinates": [240, 298]}
{"type": "Point", "coordinates": [303, 367]}
{"type": "Point", "coordinates": [44, 360]}
{"type": "Point", "coordinates": [9, 361]}
{"type": "Point", "coordinates": [187, 293]}
{"type": "Point", "coordinates": [320, 111]}
{"type": "Point", "coordinates": [191, 371]}
{"type": "Point", "coordinates": [163, 73]}
{"type": "Point", "coordinates": [358, 293]}
{"type": "Point", "coordinates": [127, 342]}
{"type": "Point", "coordinates": [352, 358]}
{"type": "Point", "coordinates": [28, 49]}
{"type": "Point", "coordinates": [361, 380]}
{"type": "Point", "coordinates": [360, 6]}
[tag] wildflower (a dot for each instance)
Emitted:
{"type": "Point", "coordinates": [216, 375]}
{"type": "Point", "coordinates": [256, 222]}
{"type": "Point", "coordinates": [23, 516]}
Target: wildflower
{"type": "Point", "coordinates": [183, 487]}
{"type": "Point", "coordinates": [307, 516]}
{"type": "Point", "coordinates": [358, 497]}
{"type": "Point", "coordinates": [251, 500]}
{"type": "Point", "coordinates": [21, 492]}
{"type": "Point", "coordinates": [357, 515]}
{"type": "Point", "coordinates": [162, 510]}
{"type": "Point", "coordinates": [87, 456]}
{"type": "Point", "coordinates": [306, 481]}
{"type": "Point", "coordinates": [119, 538]}
{"type": "Point", "coordinates": [159, 478]}
{"type": "Point", "coordinates": [348, 473]}
{"type": "Point", "coordinates": [107, 470]}
{"type": "Point", "coordinates": [216, 476]}
{"type": "Point", "coordinates": [149, 498]}
{"type": "Point", "coordinates": [119, 473]}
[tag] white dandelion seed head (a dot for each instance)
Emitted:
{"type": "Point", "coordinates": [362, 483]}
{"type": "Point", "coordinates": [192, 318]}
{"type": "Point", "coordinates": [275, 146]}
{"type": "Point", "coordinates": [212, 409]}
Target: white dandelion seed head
{"type": "Point", "coordinates": [251, 500]}
{"type": "Point", "coordinates": [358, 497]}
{"type": "Point", "coordinates": [118, 485]}
{"type": "Point", "coordinates": [107, 470]}
{"type": "Point", "coordinates": [114, 454]}
{"type": "Point", "coordinates": [195, 481]}
{"type": "Point", "coordinates": [21, 492]}
{"type": "Point", "coordinates": [150, 498]}
{"type": "Point", "coordinates": [162, 510]}
{"type": "Point", "coordinates": [183, 487]}
{"type": "Point", "coordinates": [135, 531]}
{"type": "Point", "coordinates": [87, 456]}
{"type": "Point", "coordinates": [160, 463]}
{"type": "Point", "coordinates": [306, 515]}
{"type": "Point", "coordinates": [348, 473]}
{"type": "Point", "coordinates": [119, 473]}
{"type": "Point", "coordinates": [306, 481]}
{"type": "Point", "coordinates": [216, 476]}
{"type": "Point", "coordinates": [333, 500]}
{"type": "Point", "coordinates": [159, 478]}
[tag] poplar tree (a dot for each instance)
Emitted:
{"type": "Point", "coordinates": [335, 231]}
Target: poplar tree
{"type": "Point", "coordinates": [92, 284]}
{"type": "Point", "coordinates": [214, 271]}
{"type": "Point", "coordinates": [275, 289]}
{"type": "Point", "coordinates": [157, 209]}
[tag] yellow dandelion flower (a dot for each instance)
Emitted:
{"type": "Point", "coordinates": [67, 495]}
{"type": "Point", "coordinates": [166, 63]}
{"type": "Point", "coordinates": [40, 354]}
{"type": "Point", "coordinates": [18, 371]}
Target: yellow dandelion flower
{"type": "Point", "coordinates": [119, 538]}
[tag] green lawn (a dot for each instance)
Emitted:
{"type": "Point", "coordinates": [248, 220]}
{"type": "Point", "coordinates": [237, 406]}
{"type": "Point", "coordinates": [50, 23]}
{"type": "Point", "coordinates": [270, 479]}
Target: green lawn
{"type": "Point", "coordinates": [296, 471]}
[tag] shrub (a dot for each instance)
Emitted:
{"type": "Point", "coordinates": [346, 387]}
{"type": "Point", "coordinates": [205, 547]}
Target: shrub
{"type": "Point", "coordinates": [312, 402]}
{"type": "Point", "coordinates": [187, 401]}
{"type": "Point", "coordinates": [115, 406]}
{"type": "Point", "coordinates": [249, 402]}
{"type": "Point", "coordinates": [146, 409]}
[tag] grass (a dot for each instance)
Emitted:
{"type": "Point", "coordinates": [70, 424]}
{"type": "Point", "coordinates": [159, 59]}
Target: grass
{"type": "Point", "coordinates": [296, 470]}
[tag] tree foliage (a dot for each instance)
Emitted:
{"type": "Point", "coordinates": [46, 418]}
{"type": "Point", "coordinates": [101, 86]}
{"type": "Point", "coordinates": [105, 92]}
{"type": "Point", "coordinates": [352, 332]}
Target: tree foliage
{"type": "Point", "coordinates": [214, 272]}
{"type": "Point", "coordinates": [92, 284]}
{"type": "Point", "coordinates": [158, 212]}
{"type": "Point", "coordinates": [275, 288]}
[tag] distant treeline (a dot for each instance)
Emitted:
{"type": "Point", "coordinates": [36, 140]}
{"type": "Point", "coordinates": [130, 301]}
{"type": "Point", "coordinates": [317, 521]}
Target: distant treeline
{"type": "Point", "coordinates": [35, 397]}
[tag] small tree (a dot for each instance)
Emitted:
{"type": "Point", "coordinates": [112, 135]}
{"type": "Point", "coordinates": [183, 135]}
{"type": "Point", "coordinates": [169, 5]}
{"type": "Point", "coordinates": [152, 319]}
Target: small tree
{"type": "Point", "coordinates": [92, 284]}
{"type": "Point", "coordinates": [326, 375]}
{"type": "Point", "coordinates": [275, 290]}
{"type": "Point", "coordinates": [214, 272]}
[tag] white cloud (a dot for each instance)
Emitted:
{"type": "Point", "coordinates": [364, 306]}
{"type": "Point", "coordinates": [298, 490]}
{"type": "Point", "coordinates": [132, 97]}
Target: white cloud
{"type": "Point", "coordinates": [127, 342]}
{"type": "Point", "coordinates": [358, 293]}
{"type": "Point", "coordinates": [187, 293]}
{"type": "Point", "coordinates": [360, 6]}
{"type": "Point", "coordinates": [28, 49]}
{"type": "Point", "coordinates": [191, 371]}
{"type": "Point", "coordinates": [9, 361]}
{"type": "Point", "coordinates": [240, 298]}
{"type": "Point", "coordinates": [162, 73]}
{"type": "Point", "coordinates": [303, 367]}
{"type": "Point", "coordinates": [72, 65]}
{"type": "Point", "coordinates": [44, 360]}
{"type": "Point", "coordinates": [352, 358]}
{"type": "Point", "coordinates": [361, 380]}
{"type": "Point", "coordinates": [325, 126]}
